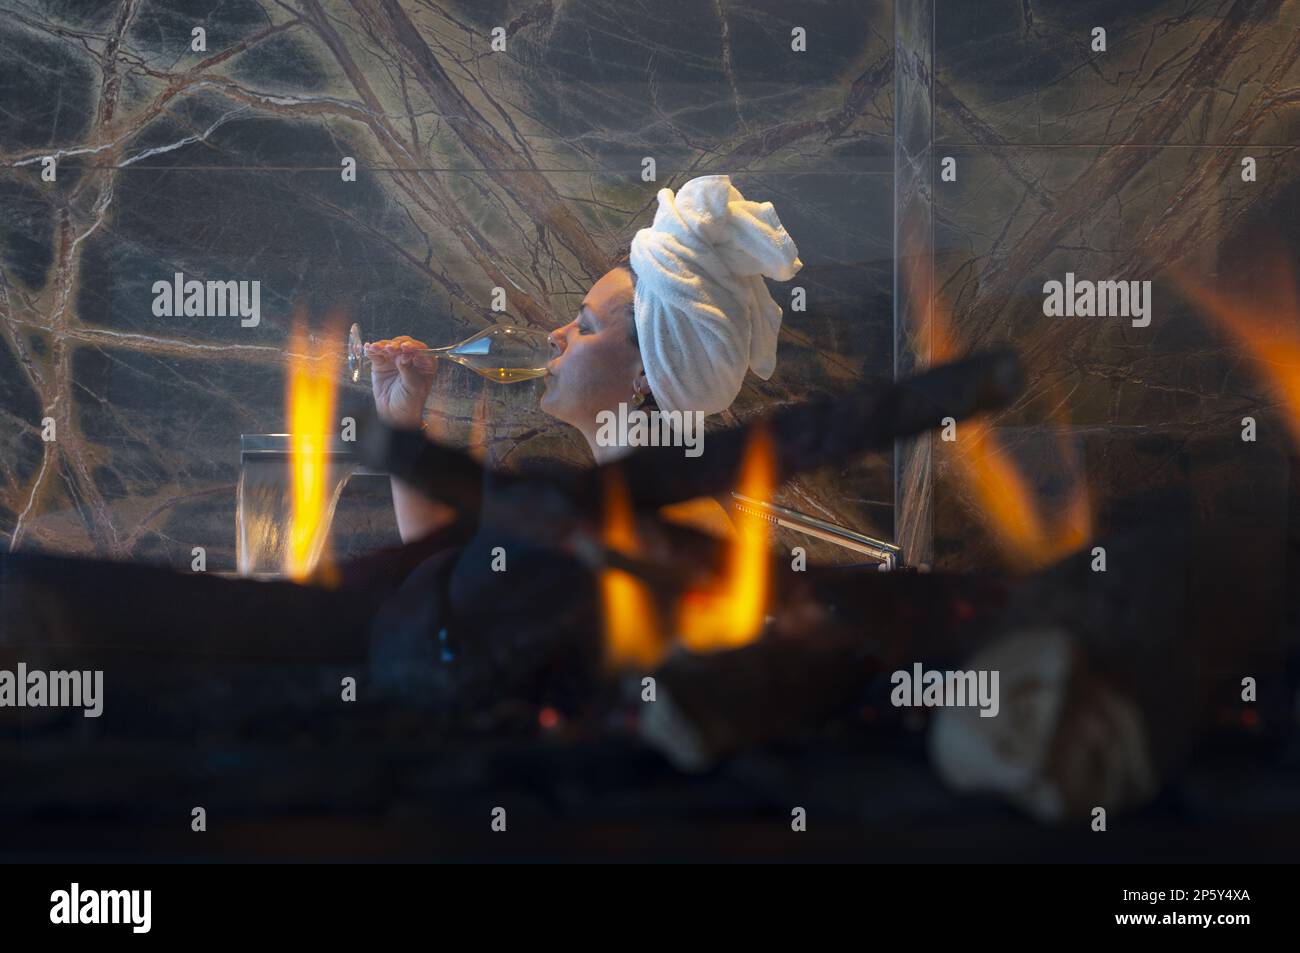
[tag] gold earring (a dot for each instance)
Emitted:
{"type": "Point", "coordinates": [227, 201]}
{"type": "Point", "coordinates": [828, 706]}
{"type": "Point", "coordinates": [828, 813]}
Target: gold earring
{"type": "Point", "coordinates": [638, 398]}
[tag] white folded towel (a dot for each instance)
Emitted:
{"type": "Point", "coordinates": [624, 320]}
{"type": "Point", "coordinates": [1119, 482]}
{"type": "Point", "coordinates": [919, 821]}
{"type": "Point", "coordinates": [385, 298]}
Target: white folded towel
{"type": "Point", "coordinates": [703, 313]}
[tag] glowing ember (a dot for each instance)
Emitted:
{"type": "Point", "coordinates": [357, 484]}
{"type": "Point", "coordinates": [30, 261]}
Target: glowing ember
{"type": "Point", "coordinates": [731, 614]}
{"type": "Point", "coordinates": [310, 396]}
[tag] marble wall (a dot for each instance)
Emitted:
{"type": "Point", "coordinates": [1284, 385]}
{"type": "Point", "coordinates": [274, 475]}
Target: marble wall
{"type": "Point", "coordinates": [477, 168]}
{"type": "Point", "coordinates": [521, 169]}
{"type": "Point", "coordinates": [1117, 164]}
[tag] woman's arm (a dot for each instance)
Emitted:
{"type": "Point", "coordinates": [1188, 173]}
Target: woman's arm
{"type": "Point", "coordinates": [401, 381]}
{"type": "Point", "coordinates": [417, 515]}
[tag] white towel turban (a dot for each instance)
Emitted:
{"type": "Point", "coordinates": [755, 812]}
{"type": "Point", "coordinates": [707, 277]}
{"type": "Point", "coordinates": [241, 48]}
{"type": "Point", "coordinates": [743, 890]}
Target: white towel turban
{"type": "Point", "coordinates": [703, 313]}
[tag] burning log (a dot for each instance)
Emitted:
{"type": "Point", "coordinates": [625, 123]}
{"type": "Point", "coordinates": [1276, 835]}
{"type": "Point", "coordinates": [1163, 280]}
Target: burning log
{"type": "Point", "coordinates": [830, 630]}
{"type": "Point", "coordinates": [559, 512]}
{"type": "Point", "coordinates": [709, 706]}
{"type": "Point", "coordinates": [92, 607]}
{"type": "Point", "coordinates": [805, 436]}
{"type": "Point", "coordinates": [721, 602]}
{"type": "Point", "coordinates": [824, 432]}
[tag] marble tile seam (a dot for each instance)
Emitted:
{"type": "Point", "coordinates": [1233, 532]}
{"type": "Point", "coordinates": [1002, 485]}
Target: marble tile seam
{"type": "Point", "coordinates": [469, 170]}
{"type": "Point", "coordinates": [1114, 145]}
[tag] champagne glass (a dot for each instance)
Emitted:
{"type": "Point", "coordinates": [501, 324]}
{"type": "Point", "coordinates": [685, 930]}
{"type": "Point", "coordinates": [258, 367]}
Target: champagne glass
{"type": "Point", "coordinates": [502, 353]}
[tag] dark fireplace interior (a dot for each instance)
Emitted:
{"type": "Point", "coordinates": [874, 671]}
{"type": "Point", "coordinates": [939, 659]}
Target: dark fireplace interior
{"type": "Point", "coordinates": [1102, 509]}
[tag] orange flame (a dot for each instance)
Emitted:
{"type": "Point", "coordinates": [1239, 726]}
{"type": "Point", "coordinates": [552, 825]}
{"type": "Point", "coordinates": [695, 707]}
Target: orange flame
{"type": "Point", "coordinates": [632, 636]}
{"type": "Point", "coordinates": [1008, 505]}
{"type": "Point", "coordinates": [732, 613]}
{"type": "Point", "coordinates": [310, 395]}
{"type": "Point", "coordinates": [1005, 501]}
{"type": "Point", "coordinates": [1273, 347]}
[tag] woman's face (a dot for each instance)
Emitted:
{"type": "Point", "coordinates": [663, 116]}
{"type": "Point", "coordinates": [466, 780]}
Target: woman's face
{"type": "Point", "coordinates": [595, 361]}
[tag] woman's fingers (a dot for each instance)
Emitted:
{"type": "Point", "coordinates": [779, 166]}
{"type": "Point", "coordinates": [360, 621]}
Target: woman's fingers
{"type": "Point", "coordinates": [380, 357]}
{"type": "Point", "coordinates": [402, 344]}
{"type": "Point", "coordinates": [413, 378]}
{"type": "Point", "coordinates": [407, 357]}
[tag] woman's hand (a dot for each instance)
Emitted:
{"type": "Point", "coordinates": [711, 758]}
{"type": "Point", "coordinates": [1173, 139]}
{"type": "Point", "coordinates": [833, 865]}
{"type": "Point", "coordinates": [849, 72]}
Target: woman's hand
{"type": "Point", "coordinates": [400, 379]}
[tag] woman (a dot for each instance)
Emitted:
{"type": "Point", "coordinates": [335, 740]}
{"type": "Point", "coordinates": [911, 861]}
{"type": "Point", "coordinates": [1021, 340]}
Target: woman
{"type": "Point", "coordinates": [675, 328]}
{"type": "Point", "coordinates": [680, 325]}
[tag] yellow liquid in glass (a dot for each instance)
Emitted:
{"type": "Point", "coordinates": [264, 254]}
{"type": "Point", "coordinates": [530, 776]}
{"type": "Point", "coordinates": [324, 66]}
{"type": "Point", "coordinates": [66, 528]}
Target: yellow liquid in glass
{"type": "Point", "coordinates": [488, 366]}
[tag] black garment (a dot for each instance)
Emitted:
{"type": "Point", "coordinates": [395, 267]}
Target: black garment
{"type": "Point", "coordinates": [506, 616]}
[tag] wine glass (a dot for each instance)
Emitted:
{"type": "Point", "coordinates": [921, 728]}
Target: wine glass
{"type": "Point", "coordinates": [503, 353]}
